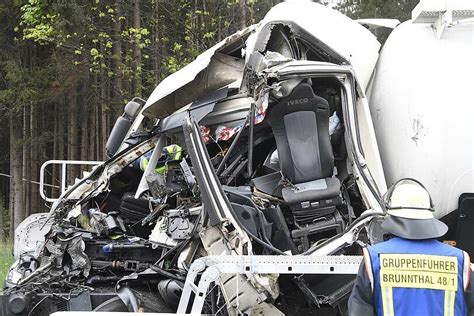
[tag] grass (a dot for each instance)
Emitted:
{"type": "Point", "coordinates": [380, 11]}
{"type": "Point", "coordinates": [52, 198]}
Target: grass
{"type": "Point", "coordinates": [6, 259]}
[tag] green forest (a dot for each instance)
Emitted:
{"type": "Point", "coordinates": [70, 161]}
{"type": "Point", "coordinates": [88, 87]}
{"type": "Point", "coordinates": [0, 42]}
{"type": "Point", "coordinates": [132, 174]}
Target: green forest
{"type": "Point", "coordinates": [67, 68]}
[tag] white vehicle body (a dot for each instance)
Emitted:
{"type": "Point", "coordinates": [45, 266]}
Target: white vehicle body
{"type": "Point", "coordinates": [344, 36]}
{"type": "Point", "coordinates": [421, 101]}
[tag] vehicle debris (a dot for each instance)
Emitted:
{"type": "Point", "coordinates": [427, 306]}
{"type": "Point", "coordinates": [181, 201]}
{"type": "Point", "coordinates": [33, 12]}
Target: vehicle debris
{"type": "Point", "coordinates": [260, 172]}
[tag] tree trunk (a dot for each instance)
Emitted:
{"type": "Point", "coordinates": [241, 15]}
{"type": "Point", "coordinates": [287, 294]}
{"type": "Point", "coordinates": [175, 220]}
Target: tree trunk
{"type": "Point", "coordinates": [45, 154]}
{"type": "Point", "coordinates": [98, 139]}
{"type": "Point", "coordinates": [34, 170]}
{"type": "Point", "coordinates": [127, 48]}
{"type": "Point", "coordinates": [92, 121]}
{"type": "Point", "coordinates": [219, 24]}
{"type": "Point", "coordinates": [2, 228]}
{"type": "Point", "coordinates": [92, 135]}
{"type": "Point", "coordinates": [26, 165]}
{"type": "Point", "coordinates": [117, 60]}
{"type": "Point", "coordinates": [11, 196]}
{"type": "Point", "coordinates": [56, 146]}
{"type": "Point", "coordinates": [103, 112]}
{"type": "Point", "coordinates": [16, 172]}
{"type": "Point", "coordinates": [137, 52]}
{"type": "Point", "coordinates": [73, 133]}
{"type": "Point", "coordinates": [85, 117]}
{"type": "Point", "coordinates": [195, 25]}
{"type": "Point", "coordinates": [243, 13]}
{"type": "Point", "coordinates": [62, 153]}
{"type": "Point", "coordinates": [156, 42]}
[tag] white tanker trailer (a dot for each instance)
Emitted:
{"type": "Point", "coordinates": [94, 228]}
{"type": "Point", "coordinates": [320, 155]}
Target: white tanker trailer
{"type": "Point", "coordinates": [421, 102]}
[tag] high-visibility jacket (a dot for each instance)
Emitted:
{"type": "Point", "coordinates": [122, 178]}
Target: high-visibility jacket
{"type": "Point", "coordinates": [170, 153]}
{"type": "Point", "coordinates": [417, 277]}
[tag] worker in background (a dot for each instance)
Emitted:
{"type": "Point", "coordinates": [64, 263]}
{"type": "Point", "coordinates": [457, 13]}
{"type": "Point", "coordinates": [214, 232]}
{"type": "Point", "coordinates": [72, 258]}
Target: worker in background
{"type": "Point", "coordinates": [171, 153]}
{"type": "Point", "coordinates": [412, 273]}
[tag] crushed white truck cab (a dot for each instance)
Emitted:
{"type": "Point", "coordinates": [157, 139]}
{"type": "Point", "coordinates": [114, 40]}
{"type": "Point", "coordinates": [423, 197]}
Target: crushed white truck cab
{"type": "Point", "coordinates": [252, 189]}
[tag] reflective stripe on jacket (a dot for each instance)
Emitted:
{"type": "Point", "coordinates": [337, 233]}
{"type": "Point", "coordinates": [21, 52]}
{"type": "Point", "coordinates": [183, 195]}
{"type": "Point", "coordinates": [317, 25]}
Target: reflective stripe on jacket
{"type": "Point", "coordinates": [170, 153]}
{"type": "Point", "coordinates": [417, 277]}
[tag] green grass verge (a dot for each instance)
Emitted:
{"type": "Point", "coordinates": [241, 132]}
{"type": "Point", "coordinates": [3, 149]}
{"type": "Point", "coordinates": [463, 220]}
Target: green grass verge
{"type": "Point", "coordinates": [6, 259]}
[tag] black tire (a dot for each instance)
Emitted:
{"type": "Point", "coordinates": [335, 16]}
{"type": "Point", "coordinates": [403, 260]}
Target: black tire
{"type": "Point", "coordinates": [150, 304]}
{"type": "Point", "coordinates": [112, 305]}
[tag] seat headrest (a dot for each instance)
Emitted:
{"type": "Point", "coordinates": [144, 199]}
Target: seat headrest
{"type": "Point", "coordinates": [302, 93]}
{"type": "Point", "coordinates": [301, 97]}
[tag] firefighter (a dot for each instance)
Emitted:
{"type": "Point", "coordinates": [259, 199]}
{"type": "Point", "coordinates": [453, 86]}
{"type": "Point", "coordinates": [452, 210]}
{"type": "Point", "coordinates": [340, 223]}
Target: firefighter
{"type": "Point", "coordinates": [412, 273]}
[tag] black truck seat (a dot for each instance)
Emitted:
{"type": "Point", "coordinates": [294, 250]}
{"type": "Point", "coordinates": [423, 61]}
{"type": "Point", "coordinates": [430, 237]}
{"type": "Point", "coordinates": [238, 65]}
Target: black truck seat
{"type": "Point", "coordinates": [300, 127]}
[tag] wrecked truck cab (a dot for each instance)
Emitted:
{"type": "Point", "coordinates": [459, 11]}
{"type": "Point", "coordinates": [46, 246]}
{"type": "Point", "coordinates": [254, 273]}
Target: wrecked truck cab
{"type": "Point", "coordinates": [226, 171]}
{"type": "Point", "coordinates": [108, 236]}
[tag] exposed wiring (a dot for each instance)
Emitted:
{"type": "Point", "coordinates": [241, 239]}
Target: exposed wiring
{"type": "Point", "coordinates": [217, 143]}
{"type": "Point", "coordinates": [166, 273]}
{"type": "Point", "coordinates": [37, 304]}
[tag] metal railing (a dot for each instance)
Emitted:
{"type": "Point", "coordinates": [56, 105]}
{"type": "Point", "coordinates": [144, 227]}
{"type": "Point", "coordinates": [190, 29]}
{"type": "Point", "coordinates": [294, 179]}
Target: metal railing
{"type": "Point", "coordinates": [63, 170]}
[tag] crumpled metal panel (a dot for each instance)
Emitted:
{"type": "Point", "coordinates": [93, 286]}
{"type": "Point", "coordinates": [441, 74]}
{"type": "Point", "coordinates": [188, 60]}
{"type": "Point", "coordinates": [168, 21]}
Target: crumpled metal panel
{"type": "Point", "coordinates": [30, 233]}
{"type": "Point", "coordinates": [80, 260]}
{"type": "Point", "coordinates": [211, 70]}
{"type": "Point", "coordinates": [220, 71]}
{"type": "Point", "coordinates": [329, 30]}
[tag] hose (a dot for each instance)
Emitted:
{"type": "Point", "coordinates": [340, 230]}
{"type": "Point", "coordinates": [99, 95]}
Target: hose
{"type": "Point", "coordinates": [167, 274]}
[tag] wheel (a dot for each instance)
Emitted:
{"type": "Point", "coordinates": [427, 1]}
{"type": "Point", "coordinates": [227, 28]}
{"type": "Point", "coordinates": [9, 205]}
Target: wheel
{"type": "Point", "coordinates": [152, 302]}
{"type": "Point", "coordinates": [112, 305]}
{"type": "Point", "coordinates": [148, 303]}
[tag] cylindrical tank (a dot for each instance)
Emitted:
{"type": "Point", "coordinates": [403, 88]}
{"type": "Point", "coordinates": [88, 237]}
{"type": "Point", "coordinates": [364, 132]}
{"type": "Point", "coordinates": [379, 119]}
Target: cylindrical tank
{"type": "Point", "coordinates": [422, 105]}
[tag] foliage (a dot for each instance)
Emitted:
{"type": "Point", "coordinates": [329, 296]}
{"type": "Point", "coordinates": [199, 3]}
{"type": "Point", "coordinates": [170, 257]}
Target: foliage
{"type": "Point", "coordinates": [24, 85]}
{"type": "Point", "coordinates": [389, 9]}
{"type": "Point", "coordinates": [6, 260]}
{"type": "Point", "coordinates": [68, 67]}
{"type": "Point", "coordinates": [183, 29]}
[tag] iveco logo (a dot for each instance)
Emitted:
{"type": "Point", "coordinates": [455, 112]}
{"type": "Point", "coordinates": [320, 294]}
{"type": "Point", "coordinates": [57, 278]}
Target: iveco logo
{"type": "Point", "coordinates": [298, 101]}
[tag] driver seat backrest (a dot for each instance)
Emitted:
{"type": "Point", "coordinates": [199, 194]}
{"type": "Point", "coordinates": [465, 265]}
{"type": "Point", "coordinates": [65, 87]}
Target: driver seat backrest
{"type": "Point", "coordinates": [300, 126]}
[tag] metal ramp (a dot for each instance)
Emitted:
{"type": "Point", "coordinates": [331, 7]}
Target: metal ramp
{"type": "Point", "coordinates": [212, 267]}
